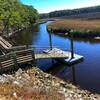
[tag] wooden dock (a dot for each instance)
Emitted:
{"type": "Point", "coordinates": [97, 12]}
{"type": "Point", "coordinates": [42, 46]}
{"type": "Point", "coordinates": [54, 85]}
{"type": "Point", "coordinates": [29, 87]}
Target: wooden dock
{"type": "Point", "coordinates": [47, 56]}
{"type": "Point", "coordinates": [67, 56]}
{"type": "Point", "coordinates": [23, 55]}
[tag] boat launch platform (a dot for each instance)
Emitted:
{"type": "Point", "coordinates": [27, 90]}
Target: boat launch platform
{"type": "Point", "coordinates": [67, 56]}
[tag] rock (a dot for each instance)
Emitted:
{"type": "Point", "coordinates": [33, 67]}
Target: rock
{"type": "Point", "coordinates": [19, 72]}
{"type": "Point", "coordinates": [16, 83]}
{"type": "Point", "coordinates": [26, 76]}
{"type": "Point", "coordinates": [10, 78]}
{"type": "Point", "coordinates": [4, 75]}
{"type": "Point", "coordinates": [45, 82]}
{"type": "Point", "coordinates": [15, 94]}
{"type": "Point", "coordinates": [47, 76]}
{"type": "Point", "coordinates": [3, 79]}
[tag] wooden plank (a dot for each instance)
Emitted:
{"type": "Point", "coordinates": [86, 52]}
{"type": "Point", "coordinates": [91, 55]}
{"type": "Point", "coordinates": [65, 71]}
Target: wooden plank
{"type": "Point", "coordinates": [5, 42]}
{"type": "Point", "coordinates": [53, 55]}
{"type": "Point", "coordinates": [3, 45]}
{"type": "Point", "coordinates": [26, 51]}
{"type": "Point", "coordinates": [7, 61]}
{"type": "Point", "coordinates": [4, 62]}
{"type": "Point", "coordinates": [24, 61]}
{"type": "Point", "coordinates": [8, 65]}
{"type": "Point", "coordinates": [24, 56]}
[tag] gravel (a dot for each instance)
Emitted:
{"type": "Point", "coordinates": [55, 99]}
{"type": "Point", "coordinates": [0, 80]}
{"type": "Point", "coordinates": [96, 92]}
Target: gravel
{"type": "Point", "coordinates": [37, 79]}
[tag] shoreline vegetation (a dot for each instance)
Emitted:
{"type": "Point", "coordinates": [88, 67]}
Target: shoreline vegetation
{"type": "Point", "coordinates": [16, 16]}
{"type": "Point", "coordinates": [76, 28]}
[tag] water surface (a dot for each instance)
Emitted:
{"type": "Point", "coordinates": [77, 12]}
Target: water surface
{"type": "Point", "coordinates": [85, 74]}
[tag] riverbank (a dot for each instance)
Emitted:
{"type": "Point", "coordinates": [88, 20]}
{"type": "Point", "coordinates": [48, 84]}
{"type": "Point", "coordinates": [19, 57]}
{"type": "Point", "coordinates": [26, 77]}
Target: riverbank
{"type": "Point", "coordinates": [22, 29]}
{"type": "Point", "coordinates": [34, 84]}
{"type": "Point", "coordinates": [80, 28]}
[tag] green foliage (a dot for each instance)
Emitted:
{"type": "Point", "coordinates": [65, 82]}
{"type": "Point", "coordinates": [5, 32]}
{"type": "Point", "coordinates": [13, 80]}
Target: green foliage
{"type": "Point", "coordinates": [14, 15]}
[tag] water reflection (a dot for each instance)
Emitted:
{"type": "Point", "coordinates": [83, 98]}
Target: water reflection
{"type": "Point", "coordinates": [67, 73]}
{"type": "Point", "coordinates": [27, 36]}
{"type": "Point", "coordinates": [50, 40]}
{"type": "Point", "coordinates": [73, 74]}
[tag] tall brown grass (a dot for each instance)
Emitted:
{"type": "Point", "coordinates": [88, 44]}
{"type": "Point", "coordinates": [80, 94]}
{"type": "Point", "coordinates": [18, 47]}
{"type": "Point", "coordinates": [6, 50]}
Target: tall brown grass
{"type": "Point", "coordinates": [78, 26]}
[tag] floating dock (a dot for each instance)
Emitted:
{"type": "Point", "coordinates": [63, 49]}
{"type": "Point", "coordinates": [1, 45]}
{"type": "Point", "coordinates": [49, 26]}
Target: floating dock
{"type": "Point", "coordinates": [69, 60]}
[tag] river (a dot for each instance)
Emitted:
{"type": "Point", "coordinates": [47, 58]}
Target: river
{"type": "Point", "coordinates": [85, 74]}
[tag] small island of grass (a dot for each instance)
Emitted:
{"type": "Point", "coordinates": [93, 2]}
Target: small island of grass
{"type": "Point", "coordinates": [79, 27]}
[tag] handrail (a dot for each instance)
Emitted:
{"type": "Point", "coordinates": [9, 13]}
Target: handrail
{"type": "Point", "coordinates": [36, 46]}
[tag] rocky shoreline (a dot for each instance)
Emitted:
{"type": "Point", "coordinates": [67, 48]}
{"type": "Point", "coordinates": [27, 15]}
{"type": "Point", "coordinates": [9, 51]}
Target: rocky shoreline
{"type": "Point", "coordinates": [34, 84]}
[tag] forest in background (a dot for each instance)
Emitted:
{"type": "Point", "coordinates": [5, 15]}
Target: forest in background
{"type": "Point", "coordinates": [14, 16]}
{"type": "Point", "coordinates": [88, 12]}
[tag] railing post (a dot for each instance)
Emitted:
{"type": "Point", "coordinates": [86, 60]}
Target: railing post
{"type": "Point", "coordinates": [13, 55]}
{"type": "Point", "coordinates": [33, 56]}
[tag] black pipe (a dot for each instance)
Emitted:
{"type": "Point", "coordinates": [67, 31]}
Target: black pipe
{"type": "Point", "coordinates": [72, 45]}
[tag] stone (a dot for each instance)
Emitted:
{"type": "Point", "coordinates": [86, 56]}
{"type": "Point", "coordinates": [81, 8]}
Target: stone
{"type": "Point", "coordinates": [15, 94]}
{"type": "Point", "coordinates": [10, 77]}
{"type": "Point", "coordinates": [19, 72]}
{"type": "Point", "coordinates": [47, 76]}
{"type": "Point", "coordinates": [4, 75]}
{"type": "Point", "coordinates": [16, 83]}
{"type": "Point", "coordinates": [26, 76]}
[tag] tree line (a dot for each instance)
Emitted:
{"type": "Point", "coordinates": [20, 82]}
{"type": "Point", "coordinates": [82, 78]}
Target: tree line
{"type": "Point", "coordinates": [62, 13]}
{"type": "Point", "coordinates": [14, 16]}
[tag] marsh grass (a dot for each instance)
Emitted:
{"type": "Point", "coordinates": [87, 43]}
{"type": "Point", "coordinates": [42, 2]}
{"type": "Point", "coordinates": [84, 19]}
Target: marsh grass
{"type": "Point", "coordinates": [81, 28]}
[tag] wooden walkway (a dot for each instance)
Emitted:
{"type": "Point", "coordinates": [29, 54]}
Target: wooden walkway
{"type": "Point", "coordinates": [27, 54]}
{"type": "Point", "coordinates": [14, 58]}
{"type": "Point", "coordinates": [68, 58]}
{"type": "Point", "coordinates": [52, 55]}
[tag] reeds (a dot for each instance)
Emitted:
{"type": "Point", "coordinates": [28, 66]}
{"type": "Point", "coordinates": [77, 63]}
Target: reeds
{"type": "Point", "coordinates": [81, 28]}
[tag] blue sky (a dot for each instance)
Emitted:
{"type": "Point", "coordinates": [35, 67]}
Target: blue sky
{"type": "Point", "coordinates": [45, 6]}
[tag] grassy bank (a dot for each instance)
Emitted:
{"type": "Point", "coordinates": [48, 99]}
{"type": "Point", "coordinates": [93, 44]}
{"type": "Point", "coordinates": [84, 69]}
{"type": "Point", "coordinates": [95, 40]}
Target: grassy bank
{"type": "Point", "coordinates": [81, 28]}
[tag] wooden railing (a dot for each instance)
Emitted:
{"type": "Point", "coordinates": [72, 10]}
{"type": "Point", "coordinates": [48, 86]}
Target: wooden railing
{"type": "Point", "coordinates": [6, 61]}
{"type": "Point", "coordinates": [27, 54]}
{"type": "Point", "coordinates": [17, 57]}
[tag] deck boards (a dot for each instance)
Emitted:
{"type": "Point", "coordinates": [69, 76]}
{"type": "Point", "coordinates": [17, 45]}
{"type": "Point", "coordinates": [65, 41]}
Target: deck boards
{"type": "Point", "coordinates": [5, 44]}
{"type": "Point", "coordinates": [68, 59]}
{"type": "Point", "coordinates": [52, 55]}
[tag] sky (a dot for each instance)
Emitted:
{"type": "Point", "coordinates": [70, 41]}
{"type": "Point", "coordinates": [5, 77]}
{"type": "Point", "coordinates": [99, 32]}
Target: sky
{"type": "Point", "coordinates": [46, 6]}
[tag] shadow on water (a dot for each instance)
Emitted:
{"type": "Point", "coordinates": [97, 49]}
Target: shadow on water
{"type": "Point", "coordinates": [64, 72]}
{"type": "Point", "coordinates": [26, 36]}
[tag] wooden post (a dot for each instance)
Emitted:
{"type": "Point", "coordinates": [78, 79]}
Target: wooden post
{"type": "Point", "coordinates": [13, 55]}
{"type": "Point", "coordinates": [33, 56]}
